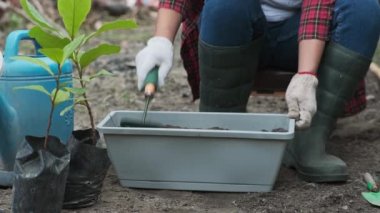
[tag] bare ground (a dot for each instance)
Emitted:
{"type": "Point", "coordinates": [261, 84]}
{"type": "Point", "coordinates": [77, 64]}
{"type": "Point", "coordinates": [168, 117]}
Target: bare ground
{"type": "Point", "coordinates": [356, 140]}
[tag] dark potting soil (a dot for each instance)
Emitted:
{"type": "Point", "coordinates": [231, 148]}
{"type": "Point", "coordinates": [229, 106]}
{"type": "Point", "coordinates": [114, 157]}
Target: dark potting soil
{"type": "Point", "coordinates": [133, 124]}
{"type": "Point", "coordinates": [219, 128]}
{"type": "Point", "coordinates": [275, 130]}
{"type": "Point", "coordinates": [136, 125]}
{"type": "Point", "coordinates": [180, 127]}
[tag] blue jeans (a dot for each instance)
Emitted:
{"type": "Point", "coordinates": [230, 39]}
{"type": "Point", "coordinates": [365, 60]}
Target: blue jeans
{"type": "Point", "coordinates": [355, 25]}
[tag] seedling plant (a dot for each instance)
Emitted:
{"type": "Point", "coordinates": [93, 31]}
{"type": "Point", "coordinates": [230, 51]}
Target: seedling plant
{"type": "Point", "coordinates": [69, 42]}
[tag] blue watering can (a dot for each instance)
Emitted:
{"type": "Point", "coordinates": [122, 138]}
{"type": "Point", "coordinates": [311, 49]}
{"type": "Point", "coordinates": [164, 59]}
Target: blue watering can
{"type": "Point", "coordinates": [26, 112]}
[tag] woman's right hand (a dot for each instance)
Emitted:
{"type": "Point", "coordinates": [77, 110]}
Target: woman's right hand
{"type": "Point", "coordinates": [158, 52]}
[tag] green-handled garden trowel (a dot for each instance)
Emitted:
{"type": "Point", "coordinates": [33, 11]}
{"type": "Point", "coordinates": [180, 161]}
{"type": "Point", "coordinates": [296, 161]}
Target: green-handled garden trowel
{"type": "Point", "coordinates": [373, 196]}
{"type": "Point", "coordinates": [150, 88]}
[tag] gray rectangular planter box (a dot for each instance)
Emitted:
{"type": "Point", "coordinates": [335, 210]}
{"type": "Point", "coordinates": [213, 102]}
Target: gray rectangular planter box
{"type": "Point", "coordinates": [244, 158]}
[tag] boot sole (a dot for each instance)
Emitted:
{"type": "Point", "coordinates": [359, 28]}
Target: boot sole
{"type": "Point", "coordinates": [289, 162]}
{"type": "Point", "coordinates": [336, 178]}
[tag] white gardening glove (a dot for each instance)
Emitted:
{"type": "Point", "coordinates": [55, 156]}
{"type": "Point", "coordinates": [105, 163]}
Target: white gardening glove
{"type": "Point", "coordinates": [158, 52]}
{"type": "Point", "coordinates": [301, 99]}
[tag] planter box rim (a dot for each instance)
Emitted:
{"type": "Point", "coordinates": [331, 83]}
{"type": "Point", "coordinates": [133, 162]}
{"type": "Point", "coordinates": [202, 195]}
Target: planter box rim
{"type": "Point", "coordinates": [192, 132]}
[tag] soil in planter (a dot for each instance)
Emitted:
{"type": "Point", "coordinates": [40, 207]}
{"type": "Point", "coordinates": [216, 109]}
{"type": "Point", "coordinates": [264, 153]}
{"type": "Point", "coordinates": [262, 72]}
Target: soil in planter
{"type": "Point", "coordinates": [40, 175]}
{"type": "Point", "coordinates": [180, 127]}
{"type": "Point", "coordinates": [275, 130]}
{"type": "Point", "coordinates": [88, 168]}
{"type": "Point", "coordinates": [128, 123]}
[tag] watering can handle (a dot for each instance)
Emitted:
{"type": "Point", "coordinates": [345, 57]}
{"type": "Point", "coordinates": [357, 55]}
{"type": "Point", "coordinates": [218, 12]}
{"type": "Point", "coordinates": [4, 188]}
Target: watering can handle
{"type": "Point", "coordinates": [13, 41]}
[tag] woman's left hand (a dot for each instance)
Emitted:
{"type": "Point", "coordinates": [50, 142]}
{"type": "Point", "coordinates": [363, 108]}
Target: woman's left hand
{"type": "Point", "coordinates": [301, 99]}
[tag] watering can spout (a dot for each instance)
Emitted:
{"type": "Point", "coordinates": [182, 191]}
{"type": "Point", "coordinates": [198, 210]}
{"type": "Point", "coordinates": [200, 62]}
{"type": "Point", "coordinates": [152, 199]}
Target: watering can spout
{"type": "Point", "coordinates": [7, 149]}
{"type": "Point", "coordinates": [1, 63]}
{"type": "Point", "coordinates": [9, 132]}
{"type": "Point", "coordinates": [6, 153]}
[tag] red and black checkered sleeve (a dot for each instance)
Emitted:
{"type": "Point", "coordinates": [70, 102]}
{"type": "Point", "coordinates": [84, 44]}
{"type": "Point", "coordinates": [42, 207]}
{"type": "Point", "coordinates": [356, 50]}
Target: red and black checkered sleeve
{"type": "Point", "coordinates": [315, 19]}
{"type": "Point", "coordinates": [176, 5]}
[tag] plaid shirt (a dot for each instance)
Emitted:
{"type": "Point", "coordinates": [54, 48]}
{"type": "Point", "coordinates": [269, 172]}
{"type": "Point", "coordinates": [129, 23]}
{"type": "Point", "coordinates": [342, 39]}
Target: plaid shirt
{"type": "Point", "coordinates": [315, 22]}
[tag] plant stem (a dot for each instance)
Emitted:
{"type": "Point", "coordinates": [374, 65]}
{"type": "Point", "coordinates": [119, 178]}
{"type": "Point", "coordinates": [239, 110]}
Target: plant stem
{"type": "Point", "coordinates": [87, 104]}
{"type": "Point", "coordinates": [94, 138]}
{"type": "Point", "coordinates": [57, 79]}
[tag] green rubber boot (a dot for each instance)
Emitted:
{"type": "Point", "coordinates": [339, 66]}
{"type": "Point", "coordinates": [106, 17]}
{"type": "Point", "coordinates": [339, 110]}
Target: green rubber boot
{"type": "Point", "coordinates": [227, 75]}
{"type": "Point", "coordinates": [339, 73]}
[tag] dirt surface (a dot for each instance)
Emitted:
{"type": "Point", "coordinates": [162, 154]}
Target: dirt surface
{"type": "Point", "coordinates": [356, 140]}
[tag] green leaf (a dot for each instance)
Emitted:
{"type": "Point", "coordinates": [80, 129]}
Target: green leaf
{"type": "Point", "coordinates": [64, 85]}
{"type": "Point", "coordinates": [72, 46]}
{"type": "Point", "coordinates": [73, 13]}
{"type": "Point", "coordinates": [80, 101]}
{"type": "Point", "coordinates": [75, 91]}
{"type": "Point", "coordinates": [115, 25]}
{"type": "Point", "coordinates": [38, 88]}
{"type": "Point", "coordinates": [60, 55]}
{"type": "Point", "coordinates": [101, 73]}
{"type": "Point", "coordinates": [84, 79]}
{"type": "Point", "coordinates": [54, 54]}
{"type": "Point", "coordinates": [61, 97]}
{"type": "Point", "coordinates": [47, 40]}
{"type": "Point", "coordinates": [66, 110]}
{"type": "Point", "coordinates": [35, 16]}
{"type": "Point", "coordinates": [91, 55]}
{"type": "Point", "coordinates": [35, 61]}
